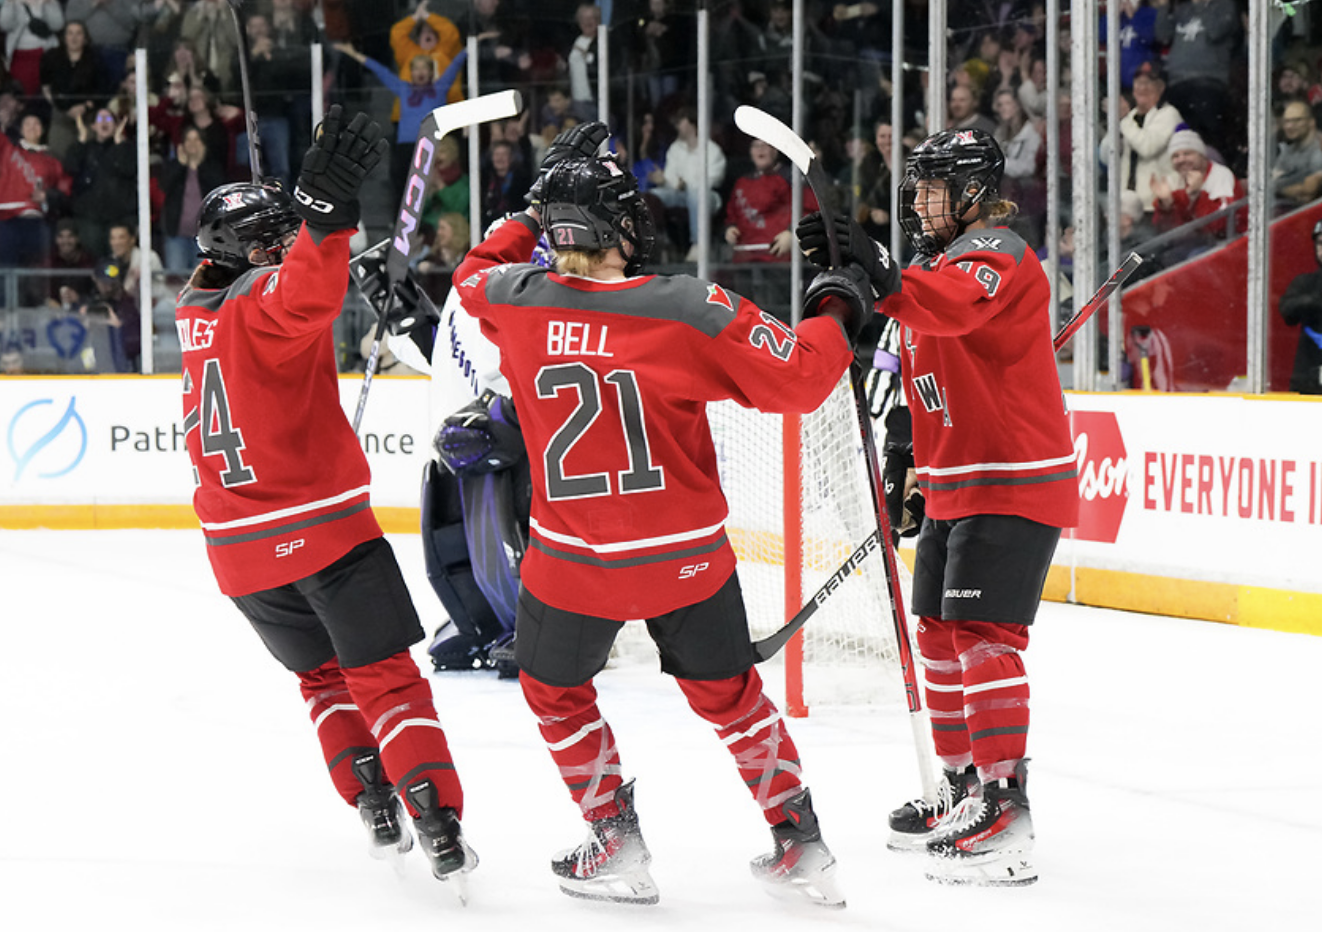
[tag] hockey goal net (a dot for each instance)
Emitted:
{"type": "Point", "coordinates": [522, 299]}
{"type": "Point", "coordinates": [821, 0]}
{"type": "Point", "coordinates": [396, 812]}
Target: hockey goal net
{"type": "Point", "coordinates": [800, 504]}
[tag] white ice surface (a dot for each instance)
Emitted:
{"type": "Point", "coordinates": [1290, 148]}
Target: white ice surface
{"type": "Point", "coordinates": [159, 773]}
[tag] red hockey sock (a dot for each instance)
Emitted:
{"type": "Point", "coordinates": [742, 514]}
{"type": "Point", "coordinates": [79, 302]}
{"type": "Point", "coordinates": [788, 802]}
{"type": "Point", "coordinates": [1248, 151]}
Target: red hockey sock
{"type": "Point", "coordinates": [580, 741]}
{"type": "Point", "coordinates": [340, 728]}
{"type": "Point", "coordinates": [749, 725]}
{"type": "Point", "coordinates": [397, 703]}
{"type": "Point", "coordinates": [995, 694]}
{"type": "Point", "coordinates": [944, 691]}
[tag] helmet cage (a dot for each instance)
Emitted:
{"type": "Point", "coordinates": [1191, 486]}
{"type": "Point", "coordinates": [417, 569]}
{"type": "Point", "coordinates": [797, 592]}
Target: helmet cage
{"type": "Point", "coordinates": [970, 163]}
{"type": "Point", "coordinates": [238, 218]}
{"type": "Point", "coordinates": [594, 204]}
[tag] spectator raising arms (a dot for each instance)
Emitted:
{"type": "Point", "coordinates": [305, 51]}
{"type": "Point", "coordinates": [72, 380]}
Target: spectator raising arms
{"type": "Point", "coordinates": [432, 35]}
{"type": "Point", "coordinates": [104, 168]}
{"type": "Point", "coordinates": [417, 97]}
{"type": "Point", "coordinates": [33, 187]}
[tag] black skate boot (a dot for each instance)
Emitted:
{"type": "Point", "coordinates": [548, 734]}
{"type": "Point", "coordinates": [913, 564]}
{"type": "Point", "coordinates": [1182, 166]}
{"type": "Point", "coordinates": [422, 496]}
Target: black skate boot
{"type": "Point", "coordinates": [381, 811]}
{"type": "Point", "coordinates": [440, 837]}
{"type": "Point", "coordinates": [611, 863]}
{"type": "Point", "coordinates": [987, 840]}
{"type": "Point", "coordinates": [501, 653]}
{"type": "Point", "coordinates": [452, 650]}
{"type": "Point", "coordinates": [913, 823]}
{"type": "Point", "coordinates": [801, 867]}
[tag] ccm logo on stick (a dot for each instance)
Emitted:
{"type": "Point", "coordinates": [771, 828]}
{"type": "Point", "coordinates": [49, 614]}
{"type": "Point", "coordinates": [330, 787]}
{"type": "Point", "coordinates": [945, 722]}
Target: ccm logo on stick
{"type": "Point", "coordinates": [287, 549]}
{"type": "Point", "coordinates": [688, 572]}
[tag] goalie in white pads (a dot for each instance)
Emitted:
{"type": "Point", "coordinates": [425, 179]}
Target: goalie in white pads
{"type": "Point", "coordinates": [611, 371]}
{"type": "Point", "coordinates": [995, 464]}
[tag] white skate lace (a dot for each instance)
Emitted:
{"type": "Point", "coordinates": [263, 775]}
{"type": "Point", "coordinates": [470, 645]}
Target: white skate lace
{"type": "Point", "coordinates": [945, 801]}
{"type": "Point", "coordinates": [592, 854]}
{"type": "Point", "coordinates": [969, 811]}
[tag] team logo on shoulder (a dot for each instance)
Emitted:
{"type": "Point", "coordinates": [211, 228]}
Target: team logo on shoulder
{"type": "Point", "coordinates": [716, 295]}
{"type": "Point", "coordinates": [987, 242]}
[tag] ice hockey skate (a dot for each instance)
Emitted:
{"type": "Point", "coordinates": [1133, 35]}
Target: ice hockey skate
{"type": "Point", "coordinates": [801, 867]}
{"type": "Point", "coordinates": [442, 839]}
{"type": "Point", "coordinates": [988, 839]}
{"type": "Point", "coordinates": [611, 863]}
{"type": "Point", "coordinates": [913, 824]}
{"type": "Point", "coordinates": [382, 813]}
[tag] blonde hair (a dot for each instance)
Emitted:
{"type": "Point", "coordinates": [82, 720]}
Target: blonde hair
{"type": "Point", "coordinates": [581, 262]}
{"type": "Point", "coordinates": [998, 211]}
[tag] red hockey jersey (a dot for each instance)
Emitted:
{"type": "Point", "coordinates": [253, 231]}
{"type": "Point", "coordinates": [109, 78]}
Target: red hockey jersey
{"type": "Point", "coordinates": [282, 483]}
{"type": "Point", "coordinates": [990, 427]}
{"type": "Point", "coordinates": [610, 381]}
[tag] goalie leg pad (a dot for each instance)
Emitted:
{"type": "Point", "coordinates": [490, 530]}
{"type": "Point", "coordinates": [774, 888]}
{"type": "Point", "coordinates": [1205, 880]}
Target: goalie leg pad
{"type": "Point", "coordinates": [496, 536]}
{"type": "Point", "coordinates": [445, 553]}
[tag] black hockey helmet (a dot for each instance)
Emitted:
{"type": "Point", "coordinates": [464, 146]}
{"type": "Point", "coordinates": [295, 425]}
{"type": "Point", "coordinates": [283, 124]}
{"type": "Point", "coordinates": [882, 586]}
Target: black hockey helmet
{"type": "Point", "coordinates": [593, 203]}
{"type": "Point", "coordinates": [236, 218]}
{"type": "Point", "coordinates": [971, 164]}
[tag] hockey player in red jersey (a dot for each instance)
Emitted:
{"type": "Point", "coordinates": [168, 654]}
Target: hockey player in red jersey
{"type": "Point", "coordinates": [995, 465]}
{"type": "Point", "coordinates": [282, 489]}
{"type": "Point", "coordinates": [611, 371]}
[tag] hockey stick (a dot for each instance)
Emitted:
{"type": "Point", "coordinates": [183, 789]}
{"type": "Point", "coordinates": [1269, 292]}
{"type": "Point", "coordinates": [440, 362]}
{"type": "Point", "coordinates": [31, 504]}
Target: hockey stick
{"type": "Point", "coordinates": [1118, 277]}
{"type": "Point", "coordinates": [408, 223]}
{"type": "Point", "coordinates": [250, 115]}
{"type": "Point", "coordinates": [762, 125]}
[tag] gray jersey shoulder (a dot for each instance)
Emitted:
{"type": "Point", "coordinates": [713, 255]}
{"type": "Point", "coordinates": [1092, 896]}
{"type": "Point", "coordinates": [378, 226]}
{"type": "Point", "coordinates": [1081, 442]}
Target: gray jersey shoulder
{"type": "Point", "coordinates": [994, 240]}
{"type": "Point", "coordinates": [680, 299]}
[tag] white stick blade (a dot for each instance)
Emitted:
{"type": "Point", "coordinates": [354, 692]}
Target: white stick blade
{"type": "Point", "coordinates": [761, 125]}
{"type": "Point", "coordinates": [484, 109]}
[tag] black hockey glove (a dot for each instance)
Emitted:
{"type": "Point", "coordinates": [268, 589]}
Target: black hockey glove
{"type": "Point", "coordinates": [412, 307]}
{"type": "Point", "coordinates": [849, 283]}
{"type": "Point", "coordinates": [578, 142]}
{"type": "Point", "coordinates": [905, 505]}
{"type": "Point", "coordinates": [326, 195]}
{"type": "Point", "coordinates": [482, 436]}
{"type": "Point", "coordinates": [855, 246]}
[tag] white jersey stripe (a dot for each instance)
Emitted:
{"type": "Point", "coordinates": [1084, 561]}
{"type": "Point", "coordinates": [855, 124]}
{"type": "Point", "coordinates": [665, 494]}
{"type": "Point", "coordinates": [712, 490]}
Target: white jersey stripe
{"type": "Point", "coordinates": [341, 707]}
{"type": "Point", "coordinates": [996, 684]}
{"type": "Point", "coordinates": [620, 546]}
{"type": "Point", "coordinates": [285, 512]}
{"type": "Point", "coordinates": [425, 722]}
{"type": "Point", "coordinates": [577, 736]}
{"type": "Point", "coordinates": [995, 467]}
{"type": "Point", "coordinates": [765, 723]}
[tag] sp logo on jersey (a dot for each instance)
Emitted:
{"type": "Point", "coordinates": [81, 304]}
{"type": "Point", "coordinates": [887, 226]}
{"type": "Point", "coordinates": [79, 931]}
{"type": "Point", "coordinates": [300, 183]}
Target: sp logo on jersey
{"type": "Point", "coordinates": [693, 569]}
{"type": "Point", "coordinates": [288, 548]}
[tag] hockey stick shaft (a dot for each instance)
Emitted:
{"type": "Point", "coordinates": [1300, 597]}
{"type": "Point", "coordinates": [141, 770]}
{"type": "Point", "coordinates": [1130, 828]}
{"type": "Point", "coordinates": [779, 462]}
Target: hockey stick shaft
{"type": "Point", "coordinates": [1109, 287]}
{"type": "Point", "coordinates": [764, 126]}
{"type": "Point", "coordinates": [250, 115]}
{"type": "Point", "coordinates": [408, 222]}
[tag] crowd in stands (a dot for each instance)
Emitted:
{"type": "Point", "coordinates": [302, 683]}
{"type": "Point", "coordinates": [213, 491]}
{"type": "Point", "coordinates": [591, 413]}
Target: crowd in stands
{"type": "Point", "coordinates": [68, 112]}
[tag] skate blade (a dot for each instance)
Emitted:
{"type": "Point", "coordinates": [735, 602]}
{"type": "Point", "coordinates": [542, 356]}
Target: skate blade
{"type": "Point", "coordinates": [998, 870]}
{"type": "Point", "coordinates": [457, 883]}
{"type": "Point", "coordinates": [821, 889]}
{"type": "Point", "coordinates": [394, 854]}
{"type": "Point", "coordinates": [906, 843]}
{"type": "Point", "coordinates": [635, 889]}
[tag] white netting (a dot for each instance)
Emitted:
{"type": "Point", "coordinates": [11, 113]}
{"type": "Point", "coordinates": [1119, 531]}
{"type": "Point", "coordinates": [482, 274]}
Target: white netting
{"type": "Point", "coordinates": [850, 655]}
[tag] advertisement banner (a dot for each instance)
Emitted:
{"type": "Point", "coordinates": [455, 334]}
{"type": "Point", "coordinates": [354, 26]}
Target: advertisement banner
{"type": "Point", "coordinates": [1217, 488]}
{"type": "Point", "coordinates": [110, 440]}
